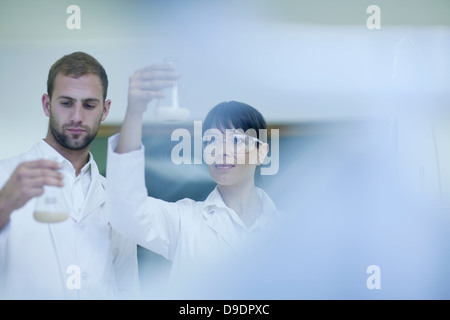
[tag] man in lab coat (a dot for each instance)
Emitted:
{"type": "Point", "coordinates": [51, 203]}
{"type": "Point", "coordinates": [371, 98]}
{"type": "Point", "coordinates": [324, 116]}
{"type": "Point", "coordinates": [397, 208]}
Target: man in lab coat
{"type": "Point", "coordinates": [81, 257]}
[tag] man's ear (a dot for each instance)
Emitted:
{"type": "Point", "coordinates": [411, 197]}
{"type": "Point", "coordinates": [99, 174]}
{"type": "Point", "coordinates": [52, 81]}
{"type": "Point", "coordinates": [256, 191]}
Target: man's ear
{"type": "Point", "coordinates": [262, 152]}
{"type": "Point", "coordinates": [106, 107]}
{"type": "Point", "coordinates": [46, 104]}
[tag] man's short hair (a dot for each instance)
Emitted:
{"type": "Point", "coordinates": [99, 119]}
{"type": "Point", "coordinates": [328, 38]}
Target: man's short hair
{"type": "Point", "coordinates": [77, 64]}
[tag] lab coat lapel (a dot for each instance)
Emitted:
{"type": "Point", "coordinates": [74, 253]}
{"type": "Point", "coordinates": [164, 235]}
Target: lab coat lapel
{"type": "Point", "coordinates": [218, 218]}
{"type": "Point", "coordinates": [220, 222]}
{"type": "Point", "coordinates": [96, 196]}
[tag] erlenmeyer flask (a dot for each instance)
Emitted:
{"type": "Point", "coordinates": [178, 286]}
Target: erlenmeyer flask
{"type": "Point", "coordinates": [51, 206]}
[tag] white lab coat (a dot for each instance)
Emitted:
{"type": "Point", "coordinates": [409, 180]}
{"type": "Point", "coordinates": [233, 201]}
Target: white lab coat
{"type": "Point", "coordinates": [192, 234]}
{"type": "Point", "coordinates": [79, 258]}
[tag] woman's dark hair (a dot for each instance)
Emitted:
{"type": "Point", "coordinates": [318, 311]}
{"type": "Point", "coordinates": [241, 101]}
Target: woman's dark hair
{"type": "Point", "coordinates": [234, 114]}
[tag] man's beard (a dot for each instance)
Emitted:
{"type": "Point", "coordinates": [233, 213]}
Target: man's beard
{"type": "Point", "coordinates": [65, 141]}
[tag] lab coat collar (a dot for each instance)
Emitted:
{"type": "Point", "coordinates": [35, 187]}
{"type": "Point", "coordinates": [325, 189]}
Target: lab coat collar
{"type": "Point", "coordinates": [214, 200]}
{"type": "Point", "coordinates": [46, 151]}
{"type": "Point", "coordinates": [43, 150]}
{"type": "Point", "coordinates": [214, 207]}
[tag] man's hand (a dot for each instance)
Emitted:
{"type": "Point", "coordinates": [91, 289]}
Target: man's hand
{"type": "Point", "coordinates": [27, 181]}
{"type": "Point", "coordinates": [148, 83]}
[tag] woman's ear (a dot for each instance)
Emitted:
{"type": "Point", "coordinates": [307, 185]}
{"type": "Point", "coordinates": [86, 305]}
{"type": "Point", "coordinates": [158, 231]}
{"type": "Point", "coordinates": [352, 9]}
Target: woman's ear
{"type": "Point", "coordinates": [262, 152]}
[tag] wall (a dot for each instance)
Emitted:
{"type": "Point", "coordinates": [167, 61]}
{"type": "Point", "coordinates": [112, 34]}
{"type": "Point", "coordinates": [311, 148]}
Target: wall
{"type": "Point", "coordinates": [293, 60]}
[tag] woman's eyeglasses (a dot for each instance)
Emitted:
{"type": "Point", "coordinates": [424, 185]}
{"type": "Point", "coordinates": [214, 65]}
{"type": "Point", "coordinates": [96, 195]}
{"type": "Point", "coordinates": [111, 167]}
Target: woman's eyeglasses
{"type": "Point", "coordinates": [236, 143]}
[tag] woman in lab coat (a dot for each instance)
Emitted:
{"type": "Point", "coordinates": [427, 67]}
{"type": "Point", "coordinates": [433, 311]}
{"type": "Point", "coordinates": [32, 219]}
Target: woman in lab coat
{"type": "Point", "coordinates": [194, 235]}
